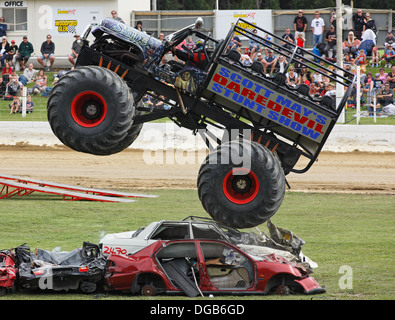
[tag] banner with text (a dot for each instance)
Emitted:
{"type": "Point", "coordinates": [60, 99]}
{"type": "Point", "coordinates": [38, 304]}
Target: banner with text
{"type": "Point", "coordinates": [278, 108]}
{"type": "Point", "coordinates": [73, 20]}
{"type": "Point", "coordinates": [225, 19]}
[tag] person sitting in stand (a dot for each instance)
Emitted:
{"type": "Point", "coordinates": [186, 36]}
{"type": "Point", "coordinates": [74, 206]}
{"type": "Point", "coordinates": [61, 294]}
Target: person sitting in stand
{"type": "Point", "coordinates": [315, 89]}
{"type": "Point", "coordinates": [292, 79]}
{"type": "Point", "coordinates": [384, 97]}
{"type": "Point", "coordinates": [254, 46]}
{"type": "Point", "coordinates": [391, 77]}
{"type": "Point", "coordinates": [267, 43]}
{"type": "Point", "coordinates": [269, 62]}
{"type": "Point", "coordinates": [350, 45]}
{"type": "Point", "coordinates": [389, 56]}
{"type": "Point", "coordinates": [317, 77]}
{"type": "Point", "coordinates": [28, 75]}
{"type": "Point", "coordinates": [330, 89]}
{"type": "Point", "coordinates": [360, 59]}
{"type": "Point", "coordinates": [245, 59]}
{"type": "Point", "coordinates": [3, 88]}
{"type": "Point", "coordinates": [7, 70]}
{"type": "Point", "coordinates": [15, 105]}
{"type": "Point", "coordinates": [75, 49]}
{"type": "Point", "coordinates": [389, 43]}
{"type": "Point", "coordinates": [377, 83]}
{"type": "Point", "coordinates": [29, 104]}
{"type": "Point", "coordinates": [281, 63]}
{"type": "Point", "coordinates": [13, 87]}
{"type": "Point", "coordinates": [288, 36]}
{"type": "Point", "coordinates": [40, 83]}
{"type": "Point", "coordinates": [25, 51]}
{"type": "Point", "coordinates": [12, 52]}
{"type": "Point", "coordinates": [47, 52]}
{"type": "Point", "coordinates": [234, 43]}
{"type": "Point", "coordinates": [383, 75]}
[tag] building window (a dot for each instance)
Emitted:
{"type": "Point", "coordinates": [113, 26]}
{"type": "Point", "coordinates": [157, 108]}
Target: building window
{"type": "Point", "coordinates": [16, 19]}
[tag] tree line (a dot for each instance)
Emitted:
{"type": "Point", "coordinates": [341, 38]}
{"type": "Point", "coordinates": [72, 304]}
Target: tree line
{"type": "Point", "coordinates": [267, 4]}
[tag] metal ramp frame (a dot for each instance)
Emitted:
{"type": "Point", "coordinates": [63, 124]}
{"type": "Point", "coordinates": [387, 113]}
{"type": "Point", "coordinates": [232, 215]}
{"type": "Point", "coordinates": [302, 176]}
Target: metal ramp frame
{"type": "Point", "coordinates": [18, 186]}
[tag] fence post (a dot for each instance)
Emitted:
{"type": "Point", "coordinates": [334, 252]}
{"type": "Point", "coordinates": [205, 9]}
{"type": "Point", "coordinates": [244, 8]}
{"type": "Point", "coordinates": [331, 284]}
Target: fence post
{"type": "Point", "coordinates": [24, 94]}
{"type": "Point", "coordinates": [358, 94]}
{"type": "Point", "coordinates": [374, 107]}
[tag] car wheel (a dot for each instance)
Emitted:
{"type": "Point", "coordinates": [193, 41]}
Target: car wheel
{"type": "Point", "coordinates": [148, 290]}
{"type": "Point", "coordinates": [91, 109]}
{"type": "Point", "coordinates": [241, 194]}
{"type": "Point", "coordinates": [88, 286]}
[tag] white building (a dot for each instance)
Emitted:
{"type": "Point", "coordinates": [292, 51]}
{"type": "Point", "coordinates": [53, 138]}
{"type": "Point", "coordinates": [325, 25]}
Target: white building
{"type": "Point", "coordinates": [61, 19]}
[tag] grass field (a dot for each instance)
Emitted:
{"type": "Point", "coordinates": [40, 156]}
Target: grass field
{"type": "Point", "coordinates": [340, 230]}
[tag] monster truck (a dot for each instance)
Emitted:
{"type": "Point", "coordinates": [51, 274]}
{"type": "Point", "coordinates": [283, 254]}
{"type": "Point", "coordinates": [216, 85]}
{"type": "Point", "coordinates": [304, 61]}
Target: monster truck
{"type": "Point", "coordinates": [265, 125]}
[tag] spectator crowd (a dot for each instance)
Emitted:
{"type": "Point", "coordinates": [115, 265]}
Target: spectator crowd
{"type": "Point", "coordinates": [359, 49]}
{"type": "Point", "coordinates": [324, 43]}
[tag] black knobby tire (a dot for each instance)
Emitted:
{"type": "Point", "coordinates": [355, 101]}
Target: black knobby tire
{"type": "Point", "coordinates": [91, 110]}
{"type": "Point", "coordinates": [241, 195]}
{"type": "Point", "coordinates": [131, 136]}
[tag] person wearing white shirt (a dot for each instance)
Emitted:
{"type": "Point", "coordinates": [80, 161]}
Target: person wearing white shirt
{"type": "Point", "coordinates": [318, 27]}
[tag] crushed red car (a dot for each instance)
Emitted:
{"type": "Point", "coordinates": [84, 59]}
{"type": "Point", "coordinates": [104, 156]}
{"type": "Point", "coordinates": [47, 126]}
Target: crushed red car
{"type": "Point", "coordinates": [8, 271]}
{"type": "Point", "coordinates": [201, 267]}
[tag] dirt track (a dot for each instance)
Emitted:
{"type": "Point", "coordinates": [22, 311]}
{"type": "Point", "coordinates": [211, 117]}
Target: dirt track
{"type": "Point", "coordinates": [334, 172]}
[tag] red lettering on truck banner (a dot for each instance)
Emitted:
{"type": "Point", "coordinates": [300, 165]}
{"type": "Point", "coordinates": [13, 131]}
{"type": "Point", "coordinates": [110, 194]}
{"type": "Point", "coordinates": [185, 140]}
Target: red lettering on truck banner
{"type": "Point", "coordinates": [280, 109]}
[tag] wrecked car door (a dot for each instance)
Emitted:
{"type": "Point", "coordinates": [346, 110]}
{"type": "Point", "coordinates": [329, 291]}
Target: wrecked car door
{"type": "Point", "coordinates": [227, 268]}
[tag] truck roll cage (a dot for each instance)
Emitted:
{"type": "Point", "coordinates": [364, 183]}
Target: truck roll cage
{"type": "Point", "coordinates": [287, 100]}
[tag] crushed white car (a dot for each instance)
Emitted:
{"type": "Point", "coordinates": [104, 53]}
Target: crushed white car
{"type": "Point", "coordinates": [281, 242]}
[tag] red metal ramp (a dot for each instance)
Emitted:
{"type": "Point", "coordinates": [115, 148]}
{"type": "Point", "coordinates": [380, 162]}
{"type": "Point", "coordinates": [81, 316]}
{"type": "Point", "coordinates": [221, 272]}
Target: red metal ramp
{"type": "Point", "coordinates": [13, 185]}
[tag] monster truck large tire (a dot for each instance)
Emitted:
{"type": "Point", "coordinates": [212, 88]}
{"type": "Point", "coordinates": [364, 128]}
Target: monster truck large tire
{"type": "Point", "coordinates": [131, 136]}
{"type": "Point", "coordinates": [241, 195]}
{"type": "Point", "coordinates": [91, 110]}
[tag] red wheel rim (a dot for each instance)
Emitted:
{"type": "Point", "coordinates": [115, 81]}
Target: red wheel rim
{"type": "Point", "coordinates": [240, 186]}
{"type": "Point", "coordinates": [88, 109]}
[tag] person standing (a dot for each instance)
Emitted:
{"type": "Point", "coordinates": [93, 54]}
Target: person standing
{"type": "Point", "coordinates": [75, 49]}
{"type": "Point", "coordinates": [331, 42]}
{"type": "Point", "coordinates": [4, 47]}
{"type": "Point", "coordinates": [370, 23]}
{"type": "Point", "coordinates": [300, 24]}
{"type": "Point", "coordinates": [3, 27]}
{"type": "Point", "coordinates": [318, 27]}
{"type": "Point", "coordinates": [359, 24]}
{"type": "Point", "coordinates": [47, 52]}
